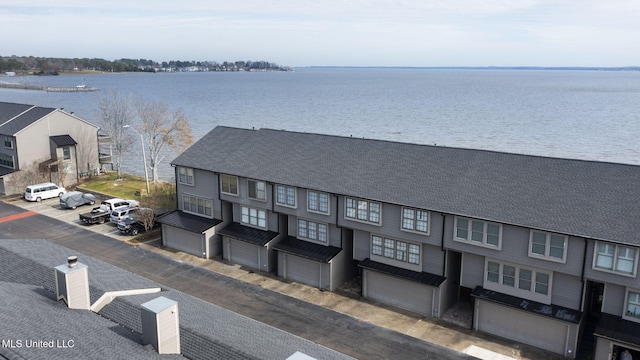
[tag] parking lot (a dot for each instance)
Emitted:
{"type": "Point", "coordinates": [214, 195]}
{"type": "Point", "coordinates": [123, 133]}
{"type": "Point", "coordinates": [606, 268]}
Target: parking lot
{"type": "Point", "coordinates": [52, 209]}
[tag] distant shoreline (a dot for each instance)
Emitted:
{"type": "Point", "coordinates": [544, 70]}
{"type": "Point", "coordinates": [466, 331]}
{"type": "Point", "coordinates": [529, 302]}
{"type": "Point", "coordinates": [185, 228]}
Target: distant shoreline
{"type": "Point", "coordinates": [589, 68]}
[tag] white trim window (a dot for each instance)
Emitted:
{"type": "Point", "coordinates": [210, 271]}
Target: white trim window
{"type": "Point", "coordinates": [363, 210]}
{"type": "Point", "coordinates": [229, 184]}
{"type": "Point", "coordinates": [257, 190]}
{"type": "Point", "coordinates": [185, 175]}
{"type": "Point", "coordinates": [548, 246]}
{"type": "Point", "coordinates": [415, 220]}
{"type": "Point", "coordinates": [312, 230]}
{"type": "Point", "coordinates": [7, 160]}
{"type": "Point", "coordinates": [395, 249]}
{"type": "Point", "coordinates": [8, 142]}
{"type": "Point", "coordinates": [615, 258]}
{"type": "Point", "coordinates": [477, 232]}
{"type": "Point", "coordinates": [632, 306]}
{"type": "Point", "coordinates": [317, 202]}
{"type": "Point", "coordinates": [197, 205]}
{"type": "Point", "coordinates": [286, 196]}
{"type": "Point", "coordinates": [518, 281]}
{"type": "Point", "coordinates": [66, 153]}
{"type": "Point", "coordinates": [255, 217]}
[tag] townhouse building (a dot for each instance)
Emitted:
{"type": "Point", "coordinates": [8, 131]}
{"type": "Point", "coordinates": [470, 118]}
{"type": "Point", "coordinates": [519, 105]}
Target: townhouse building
{"type": "Point", "coordinates": [546, 249]}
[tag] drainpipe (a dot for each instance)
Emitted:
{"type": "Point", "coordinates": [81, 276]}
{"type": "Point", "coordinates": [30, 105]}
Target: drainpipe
{"type": "Point", "coordinates": [444, 252]}
{"type": "Point", "coordinates": [584, 264]}
{"type": "Point", "coordinates": [75, 153]}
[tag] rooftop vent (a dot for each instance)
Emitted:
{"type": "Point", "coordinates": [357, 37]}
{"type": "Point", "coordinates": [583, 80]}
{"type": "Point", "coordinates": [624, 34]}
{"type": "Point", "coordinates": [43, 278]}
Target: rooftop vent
{"type": "Point", "coordinates": [160, 325]}
{"type": "Point", "coordinates": [72, 284]}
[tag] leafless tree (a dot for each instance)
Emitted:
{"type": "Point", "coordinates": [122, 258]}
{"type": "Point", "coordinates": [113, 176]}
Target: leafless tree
{"type": "Point", "coordinates": [161, 128]}
{"type": "Point", "coordinates": [28, 175]}
{"type": "Point", "coordinates": [116, 110]}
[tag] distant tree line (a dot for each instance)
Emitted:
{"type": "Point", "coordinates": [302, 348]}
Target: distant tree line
{"type": "Point", "coordinates": [41, 65]}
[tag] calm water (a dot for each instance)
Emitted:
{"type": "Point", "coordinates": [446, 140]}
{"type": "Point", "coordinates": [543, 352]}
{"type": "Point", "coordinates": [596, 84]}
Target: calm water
{"type": "Point", "coordinates": [575, 114]}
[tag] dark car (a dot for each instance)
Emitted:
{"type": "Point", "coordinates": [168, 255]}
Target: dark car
{"type": "Point", "coordinates": [73, 199]}
{"type": "Point", "coordinates": [141, 221]}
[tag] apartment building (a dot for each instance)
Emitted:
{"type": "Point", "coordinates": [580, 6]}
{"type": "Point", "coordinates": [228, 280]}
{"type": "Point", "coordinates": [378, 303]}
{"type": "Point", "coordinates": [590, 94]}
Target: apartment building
{"type": "Point", "coordinates": [546, 249]}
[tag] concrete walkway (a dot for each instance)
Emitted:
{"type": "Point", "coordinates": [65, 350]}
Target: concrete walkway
{"type": "Point", "coordinates": [347, 300]}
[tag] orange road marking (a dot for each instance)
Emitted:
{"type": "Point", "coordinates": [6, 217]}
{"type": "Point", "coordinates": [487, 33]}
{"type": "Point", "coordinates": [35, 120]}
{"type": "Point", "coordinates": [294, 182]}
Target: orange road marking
{"type": "Point", "coordinates": [17, 216]}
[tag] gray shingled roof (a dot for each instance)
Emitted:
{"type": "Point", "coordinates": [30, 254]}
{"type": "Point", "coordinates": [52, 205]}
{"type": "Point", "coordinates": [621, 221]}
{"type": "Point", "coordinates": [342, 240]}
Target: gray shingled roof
{"type": "Point", "coordinates": [207, 331]}
{"type": "Point", "coordinates": [19, 117]}
{"type": "Point", "coordinates": [63, 140]}
{"type": "Point", "coordinates": [583, 198]}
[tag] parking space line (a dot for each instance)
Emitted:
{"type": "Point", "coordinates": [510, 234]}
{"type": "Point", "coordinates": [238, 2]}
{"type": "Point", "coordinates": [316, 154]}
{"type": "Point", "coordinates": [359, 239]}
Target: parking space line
{"type": "Point", "coordinates": [17, 216]}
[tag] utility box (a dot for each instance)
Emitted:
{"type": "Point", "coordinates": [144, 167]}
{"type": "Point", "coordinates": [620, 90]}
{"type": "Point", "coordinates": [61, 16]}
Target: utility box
{"type": "Point", "coordinates": [160, 325]}
{"type": "Point", "coordinates": [72, 284]}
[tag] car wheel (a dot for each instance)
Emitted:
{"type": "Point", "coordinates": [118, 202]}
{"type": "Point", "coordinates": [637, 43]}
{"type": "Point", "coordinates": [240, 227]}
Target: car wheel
{"type": "Point", "coordinates": [38, 199]}
{"type": "Point", "coordinates": [92, 202]}
{"type": "Point", "coordinates": [60, 195]}
{"type": "Point", "coordinates": [134, 231]}
{"type": "Point", "coordinates": [101, 220]}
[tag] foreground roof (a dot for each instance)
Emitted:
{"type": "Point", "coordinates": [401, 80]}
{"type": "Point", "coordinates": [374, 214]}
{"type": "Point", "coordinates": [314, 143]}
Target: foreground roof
{"type": "Point", "coordinates": [27, 293]}
{"type": "Point", "coordinates": [583, 198]}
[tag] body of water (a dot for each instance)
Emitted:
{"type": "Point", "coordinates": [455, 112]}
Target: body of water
{"type": "Point", "coordinates": [593, 115]}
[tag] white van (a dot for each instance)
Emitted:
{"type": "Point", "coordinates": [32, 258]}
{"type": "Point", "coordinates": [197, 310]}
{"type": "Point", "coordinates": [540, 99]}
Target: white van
{"type": "Point", "coordinates": [40, 192]}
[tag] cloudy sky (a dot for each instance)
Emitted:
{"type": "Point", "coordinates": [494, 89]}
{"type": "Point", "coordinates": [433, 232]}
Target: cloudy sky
{"type": "Point", "coordinates": [330, 32]}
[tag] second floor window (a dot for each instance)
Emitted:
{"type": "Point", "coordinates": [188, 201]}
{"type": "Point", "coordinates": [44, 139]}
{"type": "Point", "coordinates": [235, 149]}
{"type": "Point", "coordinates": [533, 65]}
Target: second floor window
{"type": "Point", "coordinates": [229, 184]}
{"type": "Point", "coordinates": [516, 280]}
{"type": "Point", "coordinates": [415, 220]}
{"type": "Point", "coordinates": [8, 142]}
{"type": "Point", "coordinates": [312, 230]}
{"type": "Point", "coordinates": [548, 246]}
{"type": "Point", "coordinates": [632, 309]}
{"type": "Point", "coordinates": [254, 217]}
{"type": "Point", "coordinates": [197, 205]}
{"type": "Point", "coordinates": [615, 258]}
{"type": "Point", "coordinates": [6, 160]}
{"type": "Point", "coordinates": [257, 190]}
{"type": "Point", "coordinates": [362, 210]}
{"type": "Point", "coordinates": [185, 175]}
{"type": "Point", "coordinates": [286, 195]}
{"type": "Point", "coordinates": [66, 152]}
{"type": "Point", "coordinates": [395, 249]}
{"type": "Point", "coordinates": [318, 202]}
{"type": "Point", "coordinates": [478, 232]}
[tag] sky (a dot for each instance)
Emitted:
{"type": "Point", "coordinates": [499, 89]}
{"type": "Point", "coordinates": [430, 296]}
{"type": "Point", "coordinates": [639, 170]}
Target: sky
{"type": "Point", "coordinates": [603, 33]}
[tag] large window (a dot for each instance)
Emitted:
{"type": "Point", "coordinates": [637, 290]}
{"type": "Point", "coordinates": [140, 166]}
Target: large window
{"type": "Point", "coordinates": [185, 175]}
{"type": "Point", "coordinates": [632, 310]}
{"type": "Point", "coordinates": [254, 217]}
{"type": "Point", "coordinates": [197, 205]}
{"type": "Point", "coordinates": [318, 202]}
{"type": "Point", "coordinates": [615, 258]}
{"type": "Point", "coordinates": [6, 160]}
{"type": "Point", "coordinates": [257, 190]}
{"type": "Point", "coordinates": [286, 195]}
{"type": "Point", "coordinates": [229, 184]}
{"type": "Point", "coordinates": [415, 220]}
{"type": "Point", "coordinates": [548, 246]}
{"type": "Point", "coordinates": [312, 230]}
{"type": "Point", "coordinates": [66, 152]}
{"type": "Point", "coordinates": [478, 232]}
{"type": "Point", "coordinates": [519, 281]}
{"type": "Point", "coordinates": [395, 249]}
{"type": "Point", "coordinates": [362, 210]}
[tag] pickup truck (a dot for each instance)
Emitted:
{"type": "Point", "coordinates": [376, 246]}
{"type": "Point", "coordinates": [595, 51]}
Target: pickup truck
{"type": "Point", "coordinates": [142, 220]}
{"type": "Point", "coordinates": [100, 214]}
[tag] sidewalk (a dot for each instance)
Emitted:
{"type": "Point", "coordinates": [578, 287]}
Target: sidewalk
{"type": "Point", "coordinates": [347, 300]}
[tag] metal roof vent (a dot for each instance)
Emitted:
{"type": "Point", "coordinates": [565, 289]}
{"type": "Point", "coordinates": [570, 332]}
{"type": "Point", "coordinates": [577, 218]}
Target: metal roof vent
{"type": "Point", "coordinates": [72, 284]}
{"type": "Point", "coordinates": [160, 325]}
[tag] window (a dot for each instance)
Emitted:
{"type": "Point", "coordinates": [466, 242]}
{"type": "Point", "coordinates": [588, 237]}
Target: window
{"type": "Point", "coordinates": [185, 175]}
{"type": "Point", "coordinates": [395, 249]}
{"type": "Point", "coordinates": [66, 153]}
{"type": "Point", "coordinates": [286, 195]}
{"type": "Point", "coordinates": [632, 309]}
{"type": "Point", "coordinates": [312, 230]}
{"type": "Point", "coordinates": [518, 281]}
{"type": "Point", "coordinates": [257, 190]}
{"type": "Point", "coordinates": [197, 205]}
{"type": "Point", "coordinates": [415, 220]}
{"type": "Point", "coordinates": [229, 184]}
{"type": "Point", "coordinates": [547, 246]}
{"type": "Point", "coordinates": [254, 217]}
{"type": "Point", "coordinates": [6, 160]}
{"type": "Point", "coordinates": [478, 232]}
{"type": "Point", "coordinates": [318, 202]}
{"type": "Point", "coordinates": [8, 142]}
{"type": "Point", "coordinates": [615, 258]}
{"type": "Point", "coordinates": [362, 210]}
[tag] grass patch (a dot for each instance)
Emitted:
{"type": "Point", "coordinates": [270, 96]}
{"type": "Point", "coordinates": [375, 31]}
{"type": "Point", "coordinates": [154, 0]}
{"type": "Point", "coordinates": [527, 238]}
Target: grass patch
{"type": "Point", "coordinates": [161, 195]}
